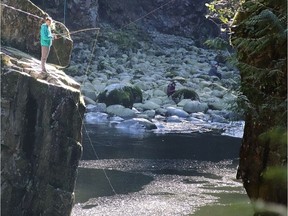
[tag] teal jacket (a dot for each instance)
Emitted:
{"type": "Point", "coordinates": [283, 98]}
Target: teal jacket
{"type": "Point", "coordinates": [46, 35]}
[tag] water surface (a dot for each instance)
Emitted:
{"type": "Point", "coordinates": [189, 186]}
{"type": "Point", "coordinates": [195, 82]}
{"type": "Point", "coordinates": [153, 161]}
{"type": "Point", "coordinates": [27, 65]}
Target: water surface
{"type": "Point", "coordinates": [158, 174]}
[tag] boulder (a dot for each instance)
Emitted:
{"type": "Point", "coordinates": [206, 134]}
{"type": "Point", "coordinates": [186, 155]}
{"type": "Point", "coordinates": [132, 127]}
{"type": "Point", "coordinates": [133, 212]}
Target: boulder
{"type": "Point", "coordinates": [89, 100]}
{"type": "Point", "coordinates": [24, 33]}
{"type": "Point", "coordinates": [96, 117]}
{"type": "Point", "coordinates": [184, 94]}
{"type": "Point", "coordinates": [150, 105]}
{"type": "Point", "coordinates": [121, 111]}
{"type": "Point", "coordinates": [195, 106]}
{"type": "Point", "coordinates": [122, 94]}
{"type": "Point", "coordinates": [98, 107]}
{"type": "Point", "coordinates": [176, 112]}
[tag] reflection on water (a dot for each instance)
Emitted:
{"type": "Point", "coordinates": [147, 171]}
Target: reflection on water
{"type": "Point", "coordinates": [159, 174]}
{"type": "Point", "coordinates": [93, 183]}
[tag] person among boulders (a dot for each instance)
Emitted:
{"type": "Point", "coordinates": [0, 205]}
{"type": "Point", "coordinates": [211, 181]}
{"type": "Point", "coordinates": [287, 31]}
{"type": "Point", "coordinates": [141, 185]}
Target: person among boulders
{"type": "Point", "coordinates": [171, 88]}
{"type": "Point", "coordinates": [213, 71]}
{"type": "Point", "coordinates": [46, 39]}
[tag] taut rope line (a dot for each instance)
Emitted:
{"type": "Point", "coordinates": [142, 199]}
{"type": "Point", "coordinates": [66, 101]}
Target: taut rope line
{"type": "Point", "coordinates": [13, 8]}
{"type": "Point", "coordinates": [142, 17]}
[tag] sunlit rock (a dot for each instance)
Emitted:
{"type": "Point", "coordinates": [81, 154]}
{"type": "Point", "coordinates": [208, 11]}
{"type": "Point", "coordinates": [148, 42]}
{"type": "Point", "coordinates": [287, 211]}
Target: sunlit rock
{"type": "Point", "coordinates": [41, 123]}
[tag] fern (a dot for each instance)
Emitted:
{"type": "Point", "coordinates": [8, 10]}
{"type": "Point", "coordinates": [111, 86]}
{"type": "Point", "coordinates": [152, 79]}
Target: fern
{"type": "Point", "coordinates": [217, 43]}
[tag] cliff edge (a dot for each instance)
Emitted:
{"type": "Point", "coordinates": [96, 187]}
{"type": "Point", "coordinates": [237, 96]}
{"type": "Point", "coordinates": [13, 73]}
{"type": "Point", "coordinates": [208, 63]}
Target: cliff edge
{"type": "Point", "coordinates": [41, 122]}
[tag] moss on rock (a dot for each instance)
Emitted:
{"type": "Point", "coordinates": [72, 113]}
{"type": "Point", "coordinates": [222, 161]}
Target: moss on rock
{"type": "Point", "coordinates": [184, 94]}
{"type": "Point", "coordinates": [120, 94]}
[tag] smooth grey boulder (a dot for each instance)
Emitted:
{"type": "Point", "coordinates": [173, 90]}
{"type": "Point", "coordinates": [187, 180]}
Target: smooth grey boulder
{"type": "Point", "coordinates": [121, 111]}
{"type": "Point", "coordinates": [177, 112]}
{"type": "Point", "coordinates": [195, 106]}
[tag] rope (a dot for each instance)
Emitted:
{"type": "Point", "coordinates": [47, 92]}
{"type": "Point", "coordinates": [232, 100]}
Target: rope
{"type": "Point", "coordinates": [65, 3]}
{"type": "Point", "coordinates": [80, 30]}
{"type": "Point", "coordinates": [142, 17]}
{"type": "Point", "coordinates": [21, 11]}
{"type": "Point", "coordinates": [95, 153]}
{"type": "Point", "coordinates": [92, 53]}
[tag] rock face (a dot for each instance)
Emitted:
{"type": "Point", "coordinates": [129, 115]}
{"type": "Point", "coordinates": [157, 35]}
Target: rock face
{"type": "Point", "coordinates": [22, 31]}
{"type": "Point", "coordinates": [186, 18]}
{"type": "Point", "coordinates": [263, 69]}
{"type": "Point", "coordinates": [86, 11]}
{"type": "Point", "coordinates": [41, 124]}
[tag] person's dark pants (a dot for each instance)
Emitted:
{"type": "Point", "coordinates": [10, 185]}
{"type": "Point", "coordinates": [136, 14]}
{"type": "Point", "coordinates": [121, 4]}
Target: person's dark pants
{"type": "Point", "coordinates": [44, 55]}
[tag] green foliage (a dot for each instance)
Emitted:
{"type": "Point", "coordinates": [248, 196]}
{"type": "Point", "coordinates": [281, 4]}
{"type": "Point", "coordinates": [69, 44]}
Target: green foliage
{"type": "Point", "coordinates": [217, 43]}
{"type": "Point", "coordinates": [260, 37]}
{"type": "Point", "coordinates": [222, 10]}
{"type": "Point", "coordinates": [276, 138]}
{"type": "Point", "coordinates": [277, 174]}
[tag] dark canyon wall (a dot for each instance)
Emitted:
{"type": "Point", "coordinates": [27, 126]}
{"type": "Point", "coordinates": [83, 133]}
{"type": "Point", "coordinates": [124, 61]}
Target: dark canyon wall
{"type": "Point", "coordinates": [185, 17]}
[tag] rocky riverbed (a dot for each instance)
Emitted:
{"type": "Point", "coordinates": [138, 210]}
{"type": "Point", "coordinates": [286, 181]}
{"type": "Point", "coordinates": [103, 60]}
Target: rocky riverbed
{"type": "Point", "coordinates": [149, 61]}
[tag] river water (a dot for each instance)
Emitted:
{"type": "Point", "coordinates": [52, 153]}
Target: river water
{"type": "Point", "coordinates": [145, 173]}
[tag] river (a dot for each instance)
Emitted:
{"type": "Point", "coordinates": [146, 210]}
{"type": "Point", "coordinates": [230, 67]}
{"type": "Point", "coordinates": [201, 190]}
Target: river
{"type": "Point", "coordinates": [145, 173]}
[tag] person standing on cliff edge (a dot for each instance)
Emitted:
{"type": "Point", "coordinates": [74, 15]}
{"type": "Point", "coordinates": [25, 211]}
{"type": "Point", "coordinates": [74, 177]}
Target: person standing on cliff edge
{"type": "Point", "coordinates": [46, 39]}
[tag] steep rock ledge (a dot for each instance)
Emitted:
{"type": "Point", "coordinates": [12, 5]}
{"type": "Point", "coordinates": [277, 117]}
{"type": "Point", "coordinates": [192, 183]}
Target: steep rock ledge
{"type": "Point", "coordinates": [41, 137]}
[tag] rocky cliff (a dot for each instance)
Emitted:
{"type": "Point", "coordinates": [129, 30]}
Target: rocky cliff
{"type": "Point", "coordinates": [41, 122]}
{"type": "Point", "coordinates": [185, 18]}
{"type": "Point", "coordinates": [20, 28]}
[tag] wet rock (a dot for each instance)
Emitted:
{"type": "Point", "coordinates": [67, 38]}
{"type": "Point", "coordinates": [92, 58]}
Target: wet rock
{"type": "Point", "coordinates": [96, 117]}
{"type": "Point", "coordinates": [137, 123]}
